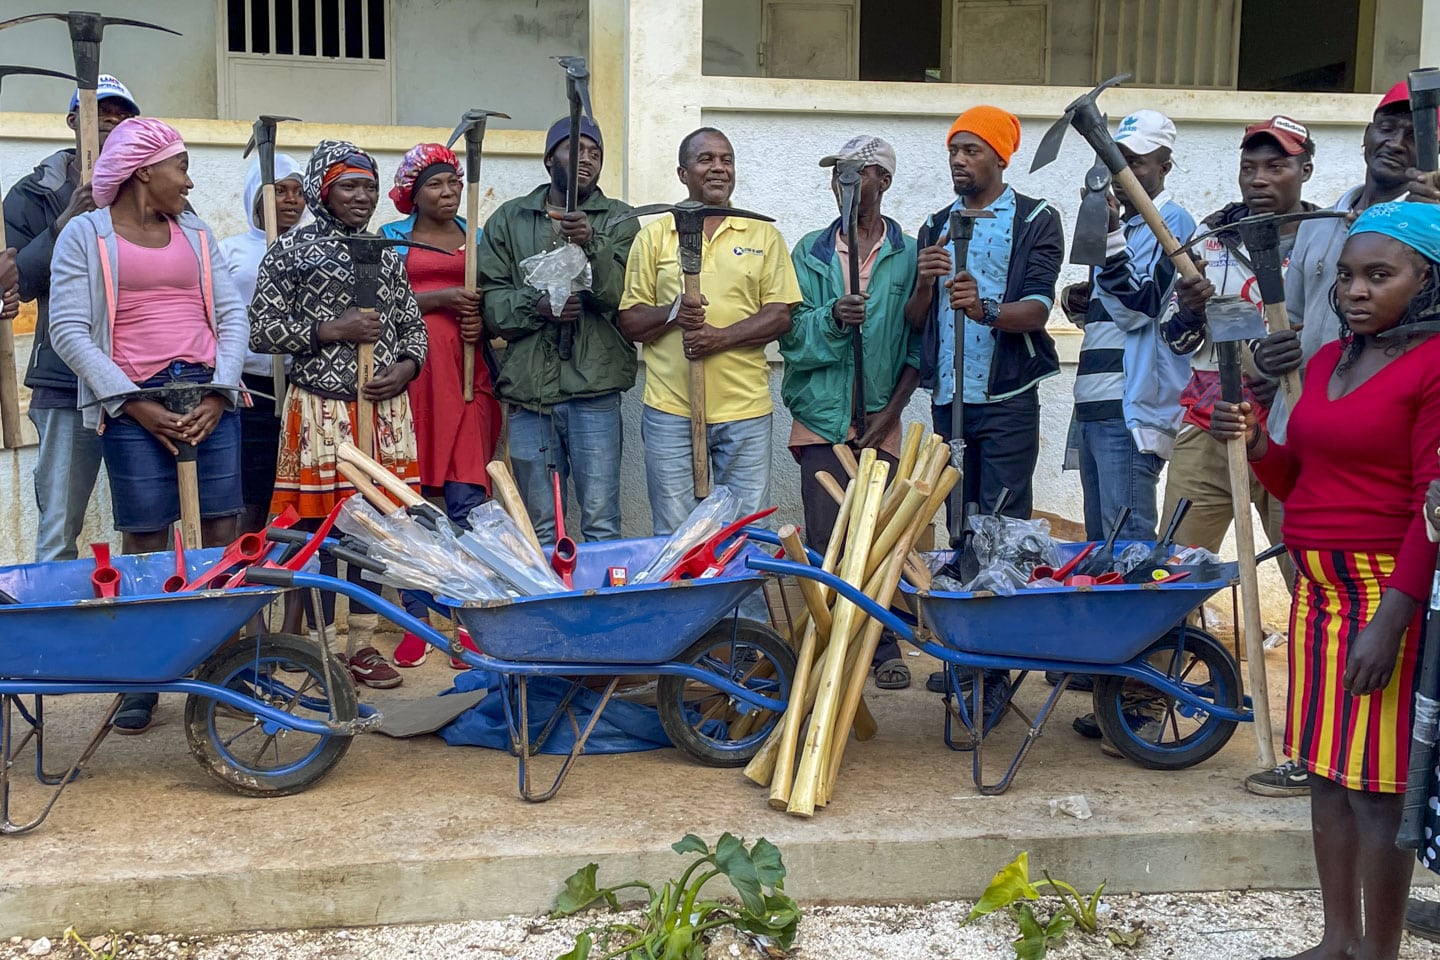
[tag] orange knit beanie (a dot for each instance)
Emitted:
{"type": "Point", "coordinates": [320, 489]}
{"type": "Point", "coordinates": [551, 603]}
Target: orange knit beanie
{"type": "Point", "coordinates": [996, 127]}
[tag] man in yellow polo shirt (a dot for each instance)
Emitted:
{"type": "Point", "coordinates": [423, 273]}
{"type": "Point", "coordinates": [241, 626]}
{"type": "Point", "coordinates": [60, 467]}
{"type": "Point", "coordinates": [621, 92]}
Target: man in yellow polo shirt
{"type": "Point", "coordinates": [748, 286]}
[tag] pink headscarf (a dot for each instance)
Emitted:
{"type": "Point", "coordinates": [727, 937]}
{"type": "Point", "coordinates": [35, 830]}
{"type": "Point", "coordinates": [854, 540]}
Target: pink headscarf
{"type": "Point", "coordinates": [134, 143]}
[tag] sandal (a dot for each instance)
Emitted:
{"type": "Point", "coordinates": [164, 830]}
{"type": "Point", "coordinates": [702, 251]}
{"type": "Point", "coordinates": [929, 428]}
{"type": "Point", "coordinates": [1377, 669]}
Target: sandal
{"type": "Point", "coordinates": [892, 675]}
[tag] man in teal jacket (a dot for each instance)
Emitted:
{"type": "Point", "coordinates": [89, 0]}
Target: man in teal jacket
{"type": "Point", "coordinates": [819, 374]}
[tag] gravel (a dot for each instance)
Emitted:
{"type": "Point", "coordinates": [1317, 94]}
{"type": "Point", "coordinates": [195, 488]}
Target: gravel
{"type": "Point", "coordinates": [1217, 926]}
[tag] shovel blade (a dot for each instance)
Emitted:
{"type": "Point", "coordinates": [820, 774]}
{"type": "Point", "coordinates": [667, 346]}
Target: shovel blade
{"type": "Point", "coordinates": [1049, 147]}
{"type": "Point", "coordinates": [1088, 247]}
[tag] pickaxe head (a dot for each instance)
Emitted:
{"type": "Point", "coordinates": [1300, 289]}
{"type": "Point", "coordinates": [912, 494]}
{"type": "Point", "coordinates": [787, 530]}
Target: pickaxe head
{"type": "Point", "coordinates": [366, 250]}
{"type": "Point", "coordinates": [848, 175]}
{"type": "Point", "coordinates": [472, 126]}
{"type": "Point", "coordinates": [1233, 320]}
{"type": "Point", "coordinates": [690, 225]}
{"type": "Point", "coordinates": [1093, 222]}
{"type": "Point", "coordinates": [1261, 235]}
{"type": "Point", "coordinates": [962, 229]}
{"type": "Point", "coordinates": [1084, 115]}
{"type": "Point", "coordinates": [86, 31]}
{"type": "Point", "coordinates": [263, 137]}
{"type": "Point", "coordinates": [7, 70]}
{"type": "Point", "coordinates": [577, 82]}
{"type": "Point", "coordinates": [1424, 86]}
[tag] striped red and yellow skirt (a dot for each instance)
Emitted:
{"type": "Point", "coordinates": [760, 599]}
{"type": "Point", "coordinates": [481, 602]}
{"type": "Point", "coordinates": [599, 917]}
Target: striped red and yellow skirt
{"type": "Point", "coordinates": [312, 428]}
{"type": "Point", "coordinates": [1362, 743]}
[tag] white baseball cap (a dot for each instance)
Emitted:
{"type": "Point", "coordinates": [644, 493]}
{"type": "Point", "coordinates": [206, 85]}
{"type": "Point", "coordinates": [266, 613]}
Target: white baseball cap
{"type": "Point", "coordinates": [105, 89]}
{"type": "Point", "coordinates": [1146, 131]}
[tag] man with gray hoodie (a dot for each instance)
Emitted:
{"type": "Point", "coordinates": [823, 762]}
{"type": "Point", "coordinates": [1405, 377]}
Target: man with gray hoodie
{"type": "Point", "coordinates": [36, 209]}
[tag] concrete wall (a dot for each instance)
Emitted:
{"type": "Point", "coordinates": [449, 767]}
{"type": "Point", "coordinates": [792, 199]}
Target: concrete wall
{"type": "Point", "coordinates": [1397, 41]}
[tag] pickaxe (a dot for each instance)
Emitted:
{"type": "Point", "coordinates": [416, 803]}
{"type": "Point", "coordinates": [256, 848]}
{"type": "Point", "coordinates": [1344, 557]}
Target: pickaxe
{"type": "Point", "coordinates": [365, 254]}
{"type": "Point", "coordinates": [1089, 122]}
{"type": "Point", "coordinates": [690, 225]}
{"type": "Point", "coordinates": [472, 125]}
{"type": "Point", "coordinates": [86, 31]}
{"type": "Point", "coordinates": [1231, 322]}
{"type": "Point", "coordinates": [1092, 223]}
{"type": "Point", "coordinates": [9, 385]}
{"type": "Point", "coordinates": [848, 170]}
{"type": "Point", "coordinates": [1424, 86]}
{"type": "Point", "coordinates": [262, 138]}
{"type": "Point", "coordinates": [1261, 236]}
{"type": "Point", "coordinates": [577, 91]}
{"type": "Point", "coordinates": [962, 230]}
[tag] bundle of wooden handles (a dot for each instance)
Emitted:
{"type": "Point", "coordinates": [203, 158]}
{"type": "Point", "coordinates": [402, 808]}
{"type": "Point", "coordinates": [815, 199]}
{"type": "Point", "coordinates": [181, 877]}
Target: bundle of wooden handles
{"type": "Point", "coordinates": [871, 546]}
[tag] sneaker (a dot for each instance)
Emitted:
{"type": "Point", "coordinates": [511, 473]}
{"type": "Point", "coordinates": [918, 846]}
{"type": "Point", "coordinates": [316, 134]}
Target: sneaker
{"type": "Point", "coordinates": [1287, 780]}
{"type": "Point", "coordinates": [136, 713]}
{"type": "Point", "coordinates": [463, 636]}
{"type": "Point", "coordinates": [411, 651]}
{"type": "Point", "coordinates": [370, 668]}
{"type": "Point", "coordinates": [1422, 917]}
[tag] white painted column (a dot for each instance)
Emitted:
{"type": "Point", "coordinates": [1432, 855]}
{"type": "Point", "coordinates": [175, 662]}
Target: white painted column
{"type": "Point", "coordinates": [1430, 33]}
{"type": "Point", "coordinates": [662, 93]}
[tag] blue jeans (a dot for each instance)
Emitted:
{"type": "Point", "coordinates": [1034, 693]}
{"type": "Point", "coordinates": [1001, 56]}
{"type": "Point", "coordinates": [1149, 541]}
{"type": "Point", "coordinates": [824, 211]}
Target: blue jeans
{"type": "Point", "coordinates": [583, 438]}
{"type": "Point", "coordinates": [739, 459]}
{"type": "Point", "coordinates": [1114, 474]}
{"type": "Point", "coordinates": [66, 466]}
{"type": "Point", "coordinates": [460, 498]}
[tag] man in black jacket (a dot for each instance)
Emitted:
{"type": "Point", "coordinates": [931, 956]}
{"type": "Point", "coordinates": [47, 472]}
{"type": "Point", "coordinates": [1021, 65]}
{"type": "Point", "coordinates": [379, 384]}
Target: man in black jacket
{"type": "Point", "coordinates": [1005, 296]}
{"type": "Point", "coordinates": [36, 210]}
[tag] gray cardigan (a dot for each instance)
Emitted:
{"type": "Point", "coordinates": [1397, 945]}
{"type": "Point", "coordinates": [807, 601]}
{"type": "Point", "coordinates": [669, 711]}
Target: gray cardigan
{"type": "Point", "coordinates": [84, 289]}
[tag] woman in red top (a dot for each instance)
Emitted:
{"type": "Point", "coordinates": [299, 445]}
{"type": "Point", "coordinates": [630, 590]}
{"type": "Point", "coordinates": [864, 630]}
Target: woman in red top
{"type": "Point", "coordinates": [1353, 476]}
{"type": "Point", "coordinates": [455, 439]}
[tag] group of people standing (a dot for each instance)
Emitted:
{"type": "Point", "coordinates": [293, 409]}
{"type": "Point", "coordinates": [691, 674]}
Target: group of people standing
{"type": "Point", "coordinates": [134, 292]}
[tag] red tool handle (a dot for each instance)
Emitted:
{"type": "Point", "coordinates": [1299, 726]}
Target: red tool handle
{"type": "Point", "coordinates": [106, 579]}
{"type": "Point", "coordinates": [250, 548]}
{"type": "Point", "coordinates": [176, 583]}
{"type": "Point", "coordinates": [702, 556]}
{"type": "Point", "coordinates": [1060, 573]}
{"type": "Point", "coordinates": [562, 558]}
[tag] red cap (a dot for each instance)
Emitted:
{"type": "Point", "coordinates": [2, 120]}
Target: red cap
{"type": "Point", "coordinates": [1400, 93]}
{"type": "Point", "coordinates": [1291, 135]}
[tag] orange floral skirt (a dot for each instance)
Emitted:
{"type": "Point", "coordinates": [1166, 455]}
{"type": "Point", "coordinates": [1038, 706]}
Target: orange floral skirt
{"type": "Point", "coordinates": [312, 429]}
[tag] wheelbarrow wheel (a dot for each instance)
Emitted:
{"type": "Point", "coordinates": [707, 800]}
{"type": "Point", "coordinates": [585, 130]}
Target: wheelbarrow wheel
{"type": "Point", "coordinates": [710, 725]}
{"type": "Point", "coordinates": [287, 673]}
{"type": "Point", "coordinates": [1155, 729]}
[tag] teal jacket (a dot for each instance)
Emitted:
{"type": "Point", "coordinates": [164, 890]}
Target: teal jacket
{"type": "Point", "coordinates": [819, 364]}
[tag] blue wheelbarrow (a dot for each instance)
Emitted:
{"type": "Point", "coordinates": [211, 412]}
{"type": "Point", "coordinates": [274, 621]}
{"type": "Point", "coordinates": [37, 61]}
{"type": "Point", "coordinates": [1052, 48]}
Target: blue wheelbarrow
{"type": "Point", "coordinates": [1167, 694]}
{"type": "Point", "coordinates": [723, 680]}
{"type": "Point", "coordinates": [266, 715]}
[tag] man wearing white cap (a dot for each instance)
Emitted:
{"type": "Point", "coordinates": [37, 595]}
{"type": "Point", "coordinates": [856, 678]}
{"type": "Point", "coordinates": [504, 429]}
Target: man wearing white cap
{"type": "Point", "coordinates": [1127, 384]}
{"type": "Point", "coordinates": [819, 377]}
{"type": "Point", "coordinates": [36, 209]}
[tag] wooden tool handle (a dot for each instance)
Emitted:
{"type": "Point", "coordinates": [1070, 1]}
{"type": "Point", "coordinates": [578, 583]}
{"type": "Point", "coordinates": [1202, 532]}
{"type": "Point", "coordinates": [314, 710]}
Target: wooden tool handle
{"type": "Point", "coordinates": [9, 388]}
{"type": "Point", "coordinates": [89, 134]}
{"type": "Point", "coordinates": [472, 277]}
{"type": "Point", "coordinates": [1277, 318]}
{"type": "Point", "coordinates": [272, 231]}
{"type": "Point", "coordinates": [396, 487]}
{"type": "Point", "coordinates": [366, 488]}
{"type": "Point", "coordinates": [364, 373]}
{"type": "Point", "coordinates": [509, 496]}
{"type": "Point", "coordinates": [188, 480]}
{"type": "Point", "coordinates": [1141, 201]}
{"type": "Point", "coordinates": [699, 435]}
{"type": "Point", "coordinates": [1239, 469]}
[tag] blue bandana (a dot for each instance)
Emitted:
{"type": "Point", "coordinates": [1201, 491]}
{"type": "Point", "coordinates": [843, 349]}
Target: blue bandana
{"type": "Point", "coordinates": [1417, 225]}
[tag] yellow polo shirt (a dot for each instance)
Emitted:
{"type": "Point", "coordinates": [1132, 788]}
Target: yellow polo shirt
{"type": "Point", "coordinates": [744, 266]}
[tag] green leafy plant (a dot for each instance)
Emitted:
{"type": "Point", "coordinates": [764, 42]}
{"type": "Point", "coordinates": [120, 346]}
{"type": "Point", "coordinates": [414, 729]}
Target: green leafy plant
{"type": "Point", "coordinates": [1011, 887]}
{"type": "Point", "coordinates": [676, 919]}
{"type": "Point", "coordinates": [1035, 939]}
{"type": "Point", "coordinates": [112, 948]}
{"type": "Point", "coordinates": [1083, 912]}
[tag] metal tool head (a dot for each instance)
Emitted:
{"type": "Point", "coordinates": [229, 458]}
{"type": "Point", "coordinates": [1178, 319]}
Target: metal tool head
{"type": "Point", "coordinates": [365, 247]}
{"type": "Point", "coordinates": [577, 81]}
{"type": "Point", "coordinates": [262, 134]}
{"type": "Point", "coordinates": [1263, 229]}
{"type": "Point", "coordinates": [1424, 85]}
{"type": "Point", "coordinates": [472, 127]}
{"type": "Point", "coordinates": [1084, 115]}
{"type": "Point", "coordinates": [690, 225]}
{"type": "Point", "coordinates": [1092, 224]}
{"type": "Point", "coordinates": [87, 29]}
{"type": "Point", "coordinates": [848, 171]}
{"type": "Point", "coordinates": [962, 221]}
{"type": "Point", "coordinates": [8, 70]}
{"type": "Point", "coordinates": [1233, 320]}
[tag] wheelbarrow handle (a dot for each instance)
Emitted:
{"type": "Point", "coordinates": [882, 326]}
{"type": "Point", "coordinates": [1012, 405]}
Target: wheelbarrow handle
{"type": "Point", "coordinates": [867, 604]}
{"type": "Point", "coordinates": [772, 537]}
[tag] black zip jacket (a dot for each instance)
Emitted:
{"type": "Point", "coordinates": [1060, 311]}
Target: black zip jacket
{"type": "Point", "coordinates": [31, 208]}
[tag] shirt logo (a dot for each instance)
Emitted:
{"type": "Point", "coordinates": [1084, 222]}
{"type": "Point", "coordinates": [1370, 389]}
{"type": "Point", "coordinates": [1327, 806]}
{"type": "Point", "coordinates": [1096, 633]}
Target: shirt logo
{"type": "Point", "coordinates": [741, 251]}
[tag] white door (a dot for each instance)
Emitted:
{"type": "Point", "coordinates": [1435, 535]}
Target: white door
{"type": "Point", "coordinates": [811, 39]}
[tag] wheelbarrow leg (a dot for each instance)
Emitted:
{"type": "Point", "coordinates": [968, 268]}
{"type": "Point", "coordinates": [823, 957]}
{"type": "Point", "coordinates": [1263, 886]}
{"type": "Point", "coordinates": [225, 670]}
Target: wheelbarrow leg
{"type": "Point", "coordinates": [1036, 729]}
{"type": "Point", "coordinates": [7, 826]}
{"type": "Point", "coordinates": [575, 751]}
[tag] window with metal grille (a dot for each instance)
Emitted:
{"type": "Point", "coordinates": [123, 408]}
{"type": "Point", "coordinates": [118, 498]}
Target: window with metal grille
{"type": "Point", "coordinates": [337, 29]}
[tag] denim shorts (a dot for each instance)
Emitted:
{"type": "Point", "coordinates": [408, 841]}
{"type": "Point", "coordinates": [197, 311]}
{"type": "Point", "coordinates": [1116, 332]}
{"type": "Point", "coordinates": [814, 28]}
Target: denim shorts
{"type": "Point", "coordinates": [144, 492]}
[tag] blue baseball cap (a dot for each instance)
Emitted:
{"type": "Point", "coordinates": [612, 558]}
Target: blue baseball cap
{"type": "Point", "coordinates": [107, 88]}
{"type": "Point", "coordinates": [560, 130]}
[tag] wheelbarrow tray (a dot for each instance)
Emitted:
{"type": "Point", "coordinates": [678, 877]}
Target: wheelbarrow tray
{"type": "Point", "coordinates": [60, 631]}
{"type": "Point", "coordinates": [1085, 625]}
{"type": "Point", "coordinates": [595, 624]}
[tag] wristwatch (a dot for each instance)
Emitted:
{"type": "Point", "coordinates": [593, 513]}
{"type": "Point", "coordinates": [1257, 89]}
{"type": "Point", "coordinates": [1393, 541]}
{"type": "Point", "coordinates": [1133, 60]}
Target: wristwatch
{"type": "Point", "coordinates": [990, 312]}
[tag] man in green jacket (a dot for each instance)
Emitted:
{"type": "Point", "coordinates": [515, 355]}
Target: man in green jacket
{"type": "Point", "coordinates": [819, 373]}
{"type": "Point", "coordinates": [564, 412]}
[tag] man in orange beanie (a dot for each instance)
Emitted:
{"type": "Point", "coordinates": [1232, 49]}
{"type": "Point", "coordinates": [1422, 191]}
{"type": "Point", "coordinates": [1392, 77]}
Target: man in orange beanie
{"type": "Point", "coordinates": [1000, 305]}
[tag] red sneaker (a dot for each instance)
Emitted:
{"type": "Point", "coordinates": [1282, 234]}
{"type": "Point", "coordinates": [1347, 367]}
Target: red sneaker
{"type": "Point", "coordinates": [369, 667]}
{"type": "Point", "coordinates": [463, 636]}
{"type": "Point", "coordinates": [411, 651]}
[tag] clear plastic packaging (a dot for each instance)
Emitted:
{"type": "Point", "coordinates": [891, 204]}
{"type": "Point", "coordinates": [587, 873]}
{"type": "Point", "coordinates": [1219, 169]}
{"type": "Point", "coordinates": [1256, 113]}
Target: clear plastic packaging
{"type": "Point", "coordinates": [497, 542]}
{"type": "Point", "coordinates": [1131, 557]}
{"type": "Point", "coordinates": [1006, 550]}
{"type": "Point", "coordinates": [558, 273]}
{"type": "Point", "coordinates": [999, 576]}
{"type": "Point", "coordinates": [707, 519]}
{"type": "Point", "coordinates": [416, 558]}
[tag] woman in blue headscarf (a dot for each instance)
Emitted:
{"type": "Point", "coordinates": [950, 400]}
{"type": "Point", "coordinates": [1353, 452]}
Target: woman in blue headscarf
{"type": "Point", "coordinates": [1353, 474]}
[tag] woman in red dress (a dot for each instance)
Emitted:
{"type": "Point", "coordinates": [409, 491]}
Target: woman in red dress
{"type": "Point", "coordinates": [455, 439]}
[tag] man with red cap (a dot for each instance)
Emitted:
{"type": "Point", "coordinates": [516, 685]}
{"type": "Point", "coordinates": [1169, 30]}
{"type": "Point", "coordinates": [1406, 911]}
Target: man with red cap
{"type": "Point", "coordinates": [1005, 296]}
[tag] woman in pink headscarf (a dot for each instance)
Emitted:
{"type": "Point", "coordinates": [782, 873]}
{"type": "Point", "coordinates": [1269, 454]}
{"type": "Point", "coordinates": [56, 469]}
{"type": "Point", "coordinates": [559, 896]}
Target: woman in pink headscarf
{"type": "Point", "coordinates": [136, 304]}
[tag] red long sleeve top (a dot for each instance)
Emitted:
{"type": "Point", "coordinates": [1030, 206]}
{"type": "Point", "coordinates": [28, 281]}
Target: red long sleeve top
{"type": "Point", "coordinates": [1354, 472]}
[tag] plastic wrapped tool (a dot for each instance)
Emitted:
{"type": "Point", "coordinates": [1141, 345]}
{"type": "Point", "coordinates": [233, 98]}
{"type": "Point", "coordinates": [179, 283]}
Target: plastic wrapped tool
{"type": "Point", "coordinates": [1006, 550]}
{"type": "Point", "coordinates": [706, 520]}
{"type": "Point", "coordinates": [416, 558]}
{"type": "Point", "coordinates": [558, 273]}
{"type": "Point", "coordinates": [497, 542]}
